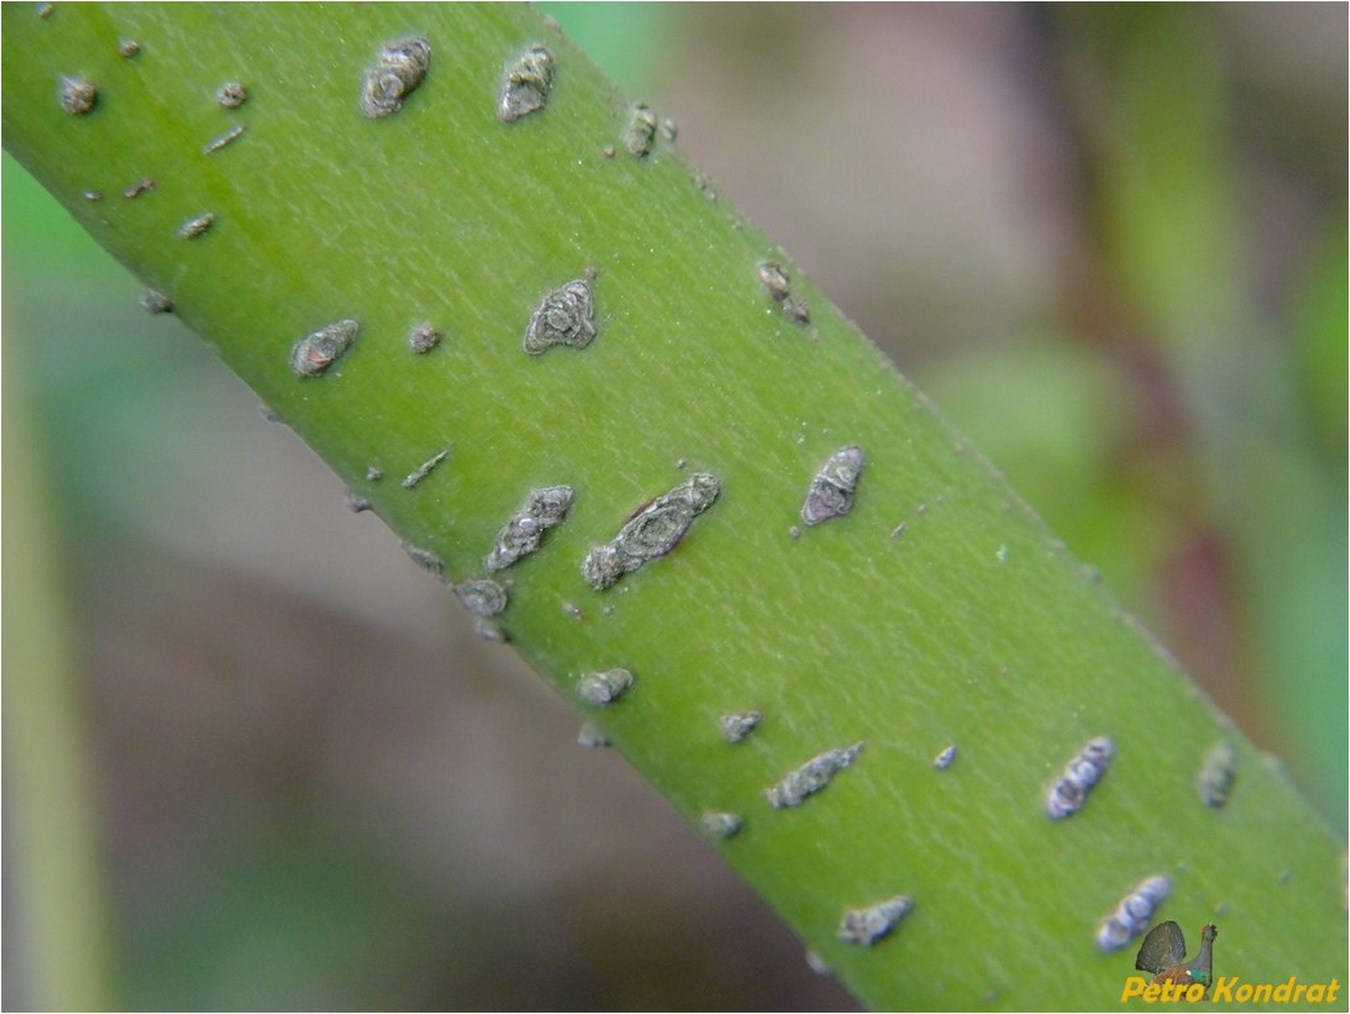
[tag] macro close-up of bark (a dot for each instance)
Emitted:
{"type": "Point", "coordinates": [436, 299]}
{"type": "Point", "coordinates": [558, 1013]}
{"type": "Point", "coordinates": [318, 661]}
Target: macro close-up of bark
{"type": "Point", "coordinates": [933, 689]}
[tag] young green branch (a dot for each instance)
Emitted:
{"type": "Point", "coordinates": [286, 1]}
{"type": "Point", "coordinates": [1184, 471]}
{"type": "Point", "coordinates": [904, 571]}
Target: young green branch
{"type": "Point", "coordinates": [740, 463]}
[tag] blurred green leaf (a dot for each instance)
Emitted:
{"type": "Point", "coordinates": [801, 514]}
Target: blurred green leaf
{"type": "Point", "coordinates": [1320, 321]}
{"type": "Point", "coordinates": [294, 919]}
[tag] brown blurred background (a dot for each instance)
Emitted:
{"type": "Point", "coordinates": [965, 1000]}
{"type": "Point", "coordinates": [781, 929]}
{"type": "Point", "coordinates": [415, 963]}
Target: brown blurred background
{"type": "Point", "coordinates": [1111, 243]}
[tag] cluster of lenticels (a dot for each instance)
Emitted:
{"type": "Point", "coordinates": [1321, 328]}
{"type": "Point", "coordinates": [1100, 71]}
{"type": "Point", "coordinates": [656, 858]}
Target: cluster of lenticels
{"type": "Point", "coordinates": [564, 317]}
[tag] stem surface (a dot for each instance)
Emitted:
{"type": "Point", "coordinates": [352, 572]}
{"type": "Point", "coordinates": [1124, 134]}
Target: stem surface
{"type": "Point", "coordinates": [970, 625]}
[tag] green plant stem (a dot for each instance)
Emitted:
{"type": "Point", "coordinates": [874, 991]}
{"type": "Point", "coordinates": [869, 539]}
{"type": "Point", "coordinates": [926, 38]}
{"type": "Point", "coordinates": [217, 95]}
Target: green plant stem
{"type": "Point", "coordinates": [64, 960]}
{"type": "Point", "coordinates": [971, 625]}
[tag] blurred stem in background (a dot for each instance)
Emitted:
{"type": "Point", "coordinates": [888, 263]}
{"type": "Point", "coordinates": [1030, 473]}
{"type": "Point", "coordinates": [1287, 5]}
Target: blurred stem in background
{"type": "Point", "coordinates": [54, 829]}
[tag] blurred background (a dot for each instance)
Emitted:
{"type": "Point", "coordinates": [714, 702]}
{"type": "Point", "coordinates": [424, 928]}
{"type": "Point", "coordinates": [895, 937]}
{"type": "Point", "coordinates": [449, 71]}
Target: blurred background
{"type": "Point", "coordinates": [1109, 241]}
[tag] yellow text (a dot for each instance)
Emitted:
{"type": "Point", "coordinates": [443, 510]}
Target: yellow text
{"type": "Point", "coordinates": [1231, 989]}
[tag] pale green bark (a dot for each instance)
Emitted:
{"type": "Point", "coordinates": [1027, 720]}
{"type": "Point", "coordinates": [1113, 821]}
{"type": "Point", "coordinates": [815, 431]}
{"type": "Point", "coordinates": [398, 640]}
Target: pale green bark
{"type": "Point", "coordinates": [972, 627]}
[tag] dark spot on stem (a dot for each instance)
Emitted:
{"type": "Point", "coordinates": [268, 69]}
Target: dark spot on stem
{"type": "Point", "coordinates": [423, 338]}
{"type": "Point", "coordinates": [720, 824]}
{"type": "Point", "coordinates": [1069, 793]}
{"type": "Point", "coordinates": [232, 94]}
{"type": "Point", "coordinates": [653, 531]}
{"type": "Point", "coordinates": [1218, 771]}
{"type": "Point", "coordinates": [602, 688]}
{"type": "Point", "coordinates": [197, 225]}
{"type": "Point", "coordinates": [78, 96]}
{"type": "Point", "coordinates": [524, 529]}
{"type": "Point", "coordinates": [564, 316]}
{"type": "Point", "coordinates": [413, 478]}
{"type": "Point", "coordinates": [229, 137]}
{"type": "Point", "coordinates": [640, 134]}
{"type": "Point", "coordinates": [526, 84]}
{"type": "Point", "coordinates": [425, 559]}
{"type": "Point", "coordinates": [482, 597]}
{"type": "Point", "coordinates": [736, 727]}
{"type": "Point", "coordinates": [398, 70]}
{"type": "Point", "coordinates": [800, 783]}
{"type": "Point", "coordinates": [320, 349]}
{"type": "Point", "coordinates": [154, 301]}
{"type": "Point", "coordinates": [1134, 913]}
{"type": "Point", "coordinates": [830, 494]}
{"type": "Point", "coordinates": [136, 189]}
{"type": "Point", "coordinates": [866, 926]}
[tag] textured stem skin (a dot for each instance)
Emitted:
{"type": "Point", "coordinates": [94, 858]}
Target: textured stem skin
{"type": "Point", "coordinates": [974, 627]}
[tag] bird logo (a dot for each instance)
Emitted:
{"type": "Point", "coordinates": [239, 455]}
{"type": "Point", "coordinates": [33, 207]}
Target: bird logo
{"type": "Point", "coordinates": [1164, 954]}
